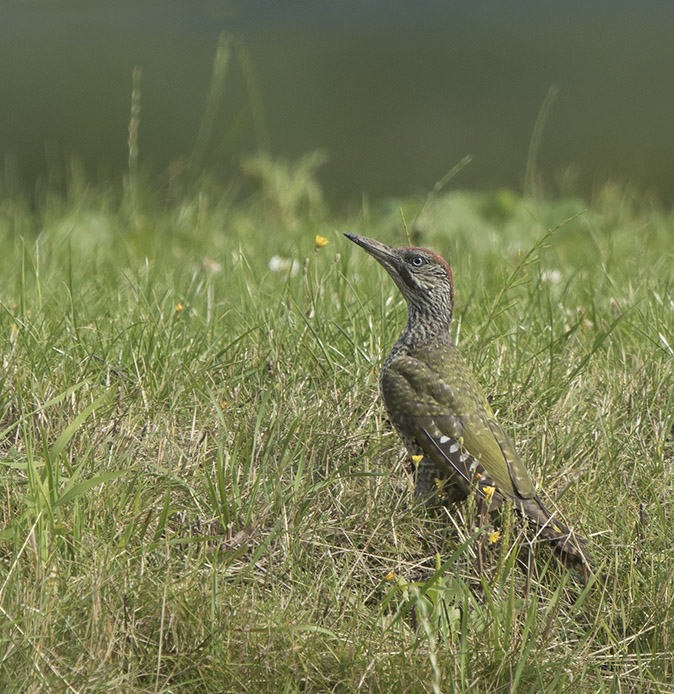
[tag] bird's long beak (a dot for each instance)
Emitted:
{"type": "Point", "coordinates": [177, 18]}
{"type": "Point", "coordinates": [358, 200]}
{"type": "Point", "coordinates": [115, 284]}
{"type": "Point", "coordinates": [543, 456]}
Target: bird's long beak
{"type": "Point", "coordinates": [379, 251]}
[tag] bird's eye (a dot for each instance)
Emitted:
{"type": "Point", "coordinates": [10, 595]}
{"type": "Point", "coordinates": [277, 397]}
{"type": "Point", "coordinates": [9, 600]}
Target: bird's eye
{"type": "Point", "coordinates": [418, 261]}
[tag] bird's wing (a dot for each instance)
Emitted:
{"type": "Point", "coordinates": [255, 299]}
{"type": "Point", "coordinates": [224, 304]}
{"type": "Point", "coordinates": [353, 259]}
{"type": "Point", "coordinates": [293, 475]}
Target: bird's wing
{"type": "Point", "coordinates": [451, 420]}
{"type": "Point", "coordinates": [519, 476]}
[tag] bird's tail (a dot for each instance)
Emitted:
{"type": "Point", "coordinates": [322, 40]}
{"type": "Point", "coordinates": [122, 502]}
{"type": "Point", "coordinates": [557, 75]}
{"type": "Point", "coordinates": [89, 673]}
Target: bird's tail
{"type": "Point", "coordinates": [569, 545]}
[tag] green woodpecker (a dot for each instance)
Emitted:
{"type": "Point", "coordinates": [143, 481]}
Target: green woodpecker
{"type": "Point", "coordinates": [439, 410]}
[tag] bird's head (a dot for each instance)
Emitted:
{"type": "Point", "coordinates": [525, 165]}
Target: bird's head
{"type": "Point", "coordinates": [423, 277]}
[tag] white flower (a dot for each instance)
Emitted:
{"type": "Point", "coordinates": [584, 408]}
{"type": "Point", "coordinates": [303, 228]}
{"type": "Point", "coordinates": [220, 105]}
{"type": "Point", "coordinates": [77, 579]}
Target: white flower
{"type": "Point", "coordinates": [551, 276]}
{"type": "Point", "coordinates": [279, 264]}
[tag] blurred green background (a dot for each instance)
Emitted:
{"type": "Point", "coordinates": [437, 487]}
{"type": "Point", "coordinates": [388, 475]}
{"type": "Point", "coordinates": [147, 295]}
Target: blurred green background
{"type": "Point", "coordinates": [395, 93]}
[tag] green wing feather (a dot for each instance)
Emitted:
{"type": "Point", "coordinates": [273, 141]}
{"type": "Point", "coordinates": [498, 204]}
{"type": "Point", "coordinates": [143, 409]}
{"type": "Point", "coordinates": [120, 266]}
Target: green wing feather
{"type": "Point", "coordinates": [436, 386]}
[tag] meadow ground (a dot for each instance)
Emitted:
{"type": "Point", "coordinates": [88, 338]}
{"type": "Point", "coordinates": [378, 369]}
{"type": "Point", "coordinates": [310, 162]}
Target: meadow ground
{"type": "Point", "coordinates": [200, 491]}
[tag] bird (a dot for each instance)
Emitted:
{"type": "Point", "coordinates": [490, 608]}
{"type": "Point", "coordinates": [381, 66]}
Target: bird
{"type": "Point", "coordinates": [439, 409]}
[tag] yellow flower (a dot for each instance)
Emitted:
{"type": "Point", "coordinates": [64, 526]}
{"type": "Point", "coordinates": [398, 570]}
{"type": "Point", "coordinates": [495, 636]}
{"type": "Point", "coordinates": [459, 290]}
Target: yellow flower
{"type": "Point", "coordinates": [179, 308]}
{"type": "Point", "coordinates": [416, 459]}
{"type": "Point", "coordinates": [494, 537]}
{"type": "Point", "coordinates": [320, 241]}
{"type": "Point", "coordinates": [389, 576]}
{"type": "Point", "coordinates": [488, 492]}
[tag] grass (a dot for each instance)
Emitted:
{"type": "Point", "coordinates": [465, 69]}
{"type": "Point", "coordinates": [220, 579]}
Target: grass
{"type": "Point", "coordinates": [200, 492]}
